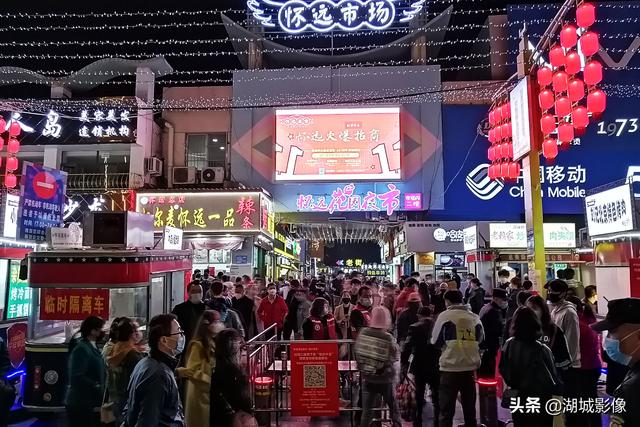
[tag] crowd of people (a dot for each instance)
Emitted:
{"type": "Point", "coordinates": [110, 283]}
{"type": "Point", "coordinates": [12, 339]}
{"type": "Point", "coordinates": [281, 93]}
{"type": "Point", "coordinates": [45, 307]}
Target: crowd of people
{"type": "Point", "coordinates": [447, 333]}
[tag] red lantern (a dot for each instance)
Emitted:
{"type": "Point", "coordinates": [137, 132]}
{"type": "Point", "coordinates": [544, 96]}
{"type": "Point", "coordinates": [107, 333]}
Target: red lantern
{"type": "Point", "coordinates": [549, 148]}
{"type": "Point", "coordinates": [492, 118]}
{"type": "Point", "coordinates": [576, 90]}
{"type": "Point", "coordinates": [491, 173]}
{"type": "Point", "coordinates": [573, 63]}
{"type": "Point", "coordinates": [12, 163]}
{"type": "Point", "coordinates": [580, 117]}
{"type": "Point", "coordinates": [596, 101]}
{"type": "Point", "coordinates": [504, 170]}
{"type": "Point", "coordinates": [514, 170]}
{"type": "Point", "coordinates": [556, 56]}
{"type": "Point", "coordinates": [586, 15]}
{"type": "Point", "coordinates": [14, 146]}
{"type": "Point", "coordinates": [506, 130]}
{"type": "Point", "coordinates": [560, 80]}
{"type": "Point", "coordinates": [592, 72]}
{"type": "Point", "coordinates": [3, 125]}
{"type": "Point", "coordinates": [497, 133]}
{"type": "Point", "coordinates": [510, 150]}
{"type": "Point", "coordinates": [568, 36]}
{"type": "Point", "coordinates": [490, 136]}
{"type": "Point", "coordinates": [563, 106]}
{"type": "Point", "coordinates": [491, 153]}
{"type": "Point", "coordinates": [589, 43]}
{"type": "Point", "coordinates": [1, 143]}
{"type": "Point", "coordinates": [506, 110]}
{"type": "Point", "coordinates": [547, 124]}
{"type": "Point", "coordinates": [546, 99]}
{"type": "Point", "coordinates": [545, 74]}
{"type": "Point", "coordinates": [565, 132]}
{"type": "Point", "coordinates": [10, 180]}
{"type": "Point", "coordinates": [14, 129]}
{"type": "Point", "coordinates": [497, 112]}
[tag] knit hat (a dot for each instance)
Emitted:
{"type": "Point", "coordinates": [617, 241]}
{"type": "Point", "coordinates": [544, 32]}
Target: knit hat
{"type": "Point", "coordinates": [380, 318]}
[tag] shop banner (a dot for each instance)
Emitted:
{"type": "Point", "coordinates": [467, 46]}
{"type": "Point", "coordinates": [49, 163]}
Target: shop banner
{"type": "Point", "coordinates": [314, 380]}
{"type": "Point", "coordinates": [634, 277]}
{"type": "Point", "coordinates": [16, 340]}
{"type": "Point", "coordinates": [42, 199]}
{"type": "Point", "coordinates": [19, 298]}
{"type": "Point", "coordinates": [73, 304]}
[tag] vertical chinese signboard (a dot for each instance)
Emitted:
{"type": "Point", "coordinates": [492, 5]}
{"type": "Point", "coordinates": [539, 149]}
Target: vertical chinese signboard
{"type": "Point", "coordinates": [314, 379]}
{"type": "Point", "coordinates": [19, 299]}
{"type": "Point", "coordinates": [73, 304]}
{"type": "Point", "coordinates": [42, 198]}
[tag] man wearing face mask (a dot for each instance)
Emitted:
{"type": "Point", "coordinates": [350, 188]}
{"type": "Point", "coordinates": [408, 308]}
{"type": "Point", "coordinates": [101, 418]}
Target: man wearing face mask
{"type": "Point", "coordinates": [273, 309]}
{"type": "Point", "coordinates": [153, 398]}
{"type": "Point", "coordinates": [492, 317]}
{"type": "Point", "coordinates": [623, 346]}
{"type": "Point", "coordinates": [503, 278]}
{"type": "Point", "coordinates": [361, 313]}
{"type": "Point", "coordinates": [190, 311]}
{"type": "Point", "coordinates": [244, 306]}
{"type": "Point", "coordinates": [565, 316]}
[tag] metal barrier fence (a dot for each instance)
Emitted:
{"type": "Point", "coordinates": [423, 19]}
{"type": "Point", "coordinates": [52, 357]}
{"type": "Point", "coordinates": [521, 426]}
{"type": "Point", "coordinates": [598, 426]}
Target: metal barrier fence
{"type": "Point", "coordinates": [268, 366]}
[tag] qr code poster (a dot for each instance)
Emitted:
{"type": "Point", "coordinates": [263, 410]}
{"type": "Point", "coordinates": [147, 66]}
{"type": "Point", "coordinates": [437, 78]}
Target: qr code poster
{"type": "Point", "coordinates": [315, 376]}
{"type": "Point", "coordinates": [314, 379]}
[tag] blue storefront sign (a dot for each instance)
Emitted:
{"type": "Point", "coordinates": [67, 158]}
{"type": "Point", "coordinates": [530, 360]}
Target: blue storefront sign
{"type": "Point", "coordinates": [598, 157]}
{"type": "Point", "coordinates": [42, 198]}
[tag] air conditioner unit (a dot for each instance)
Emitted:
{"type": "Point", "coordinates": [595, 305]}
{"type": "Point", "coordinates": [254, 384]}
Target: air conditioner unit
{"type": "Point", "coordinates": [212, 175]}
{"type": "Point", "coordinates": [184, 175]}
{"type": "Point", "coordinates": [153, 166]}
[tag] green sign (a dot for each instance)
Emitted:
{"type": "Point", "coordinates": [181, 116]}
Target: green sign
{"type": "Point", "coordinates": [19, 303]}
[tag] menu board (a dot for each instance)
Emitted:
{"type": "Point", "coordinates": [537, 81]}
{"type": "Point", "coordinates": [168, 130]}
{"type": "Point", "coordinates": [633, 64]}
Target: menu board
{"type": "Point", "coordinates": [19, 300]}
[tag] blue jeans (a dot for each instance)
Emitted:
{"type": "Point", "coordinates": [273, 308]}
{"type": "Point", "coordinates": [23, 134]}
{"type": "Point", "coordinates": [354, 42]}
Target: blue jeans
{"type": "Point", "coordinates": [370, 392]}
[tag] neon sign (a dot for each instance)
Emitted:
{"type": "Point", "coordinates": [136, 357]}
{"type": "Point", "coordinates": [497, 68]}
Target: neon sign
{"type": "Point", "coordinates": [344, 199]}
{"type": "Point", "coordinates": [296, 16]}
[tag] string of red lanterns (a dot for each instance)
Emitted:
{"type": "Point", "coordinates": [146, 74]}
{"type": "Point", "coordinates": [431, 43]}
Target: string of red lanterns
{"type": "Point", "coordinates": [562, 88]}
{"type": "Point", "coordinates": [500, 153]}
{"type": "Point", "coordinates": [13, 147]}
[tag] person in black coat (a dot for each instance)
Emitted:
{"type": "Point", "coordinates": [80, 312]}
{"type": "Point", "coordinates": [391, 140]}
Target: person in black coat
{"type": "Point", "coordinates": [437, 299]}
{"type": "Point", "coordinates": [492, 317]}
{"type": "Point", "coordinates": [476, 296]}
{"type": "Point", "coordinates": [230, 395]}
{"type": "Point", "coordinates": [190, 311]}
{"type": "Point", "coordinates": [245, 308]}
{"type": "Point", "coordinates": [408, 317]}
{"type": "Point", "coordinates": [424, 366]}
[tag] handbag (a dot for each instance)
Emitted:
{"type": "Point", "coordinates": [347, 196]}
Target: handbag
{"type": "Point", "coordinates": [106, 409]}
{"type": "Point", "coordinates": [406, 396]}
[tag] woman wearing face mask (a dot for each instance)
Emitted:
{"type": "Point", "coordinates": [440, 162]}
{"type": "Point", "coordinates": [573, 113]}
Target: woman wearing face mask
{"type": "Point", "coordinates": [229, 394]}
{"type": "Point", "coordinates": [320, 325]}
{"type": "Point", "coordinates": [341, 315]}
{"type": "Point", "coordinates": [552, 335]}
{"type": "Point", "coordinates": [199, 363]}
{"type": "Point", "coordinates": [120, 363]}
{"type": "Point", "coordinates": [87, 375]}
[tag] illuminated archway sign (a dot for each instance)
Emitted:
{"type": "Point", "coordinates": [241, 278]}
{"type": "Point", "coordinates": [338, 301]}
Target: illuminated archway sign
{"type": "Point", "coordinates": [296, 16]}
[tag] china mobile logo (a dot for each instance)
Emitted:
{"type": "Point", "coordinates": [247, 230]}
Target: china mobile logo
{"type": "Point", "coordinates": [480, 185]}
{"type": "Point", "coordinates": [296, 121]}
{"type": "Point", "coordinates": [296, 16]}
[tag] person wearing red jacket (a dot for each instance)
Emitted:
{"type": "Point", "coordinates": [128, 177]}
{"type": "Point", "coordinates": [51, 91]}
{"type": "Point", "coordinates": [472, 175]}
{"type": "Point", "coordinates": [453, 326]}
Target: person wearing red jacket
{"type": "Point", "coordinates": [273, 309]}
{"type": "Point", "coordinates": [403, 299]}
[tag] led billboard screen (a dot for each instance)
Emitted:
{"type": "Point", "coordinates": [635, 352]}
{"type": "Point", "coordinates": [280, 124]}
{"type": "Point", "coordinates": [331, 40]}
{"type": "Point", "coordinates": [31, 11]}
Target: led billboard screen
{"type": "Point", "coordinates": [334, 144]}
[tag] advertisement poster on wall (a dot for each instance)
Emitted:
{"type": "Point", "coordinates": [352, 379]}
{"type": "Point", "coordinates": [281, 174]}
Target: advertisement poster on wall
{"type": "Point", "coordinates": [73, 304]}
{"type": "Point", "coordinates": [634, 276]}
{"type": "Point", "coordinates": [314, 380]}
{"type": "Point", "coordinates": [19, 297]}
{"type": "Point", "coordinates": [42, 198]}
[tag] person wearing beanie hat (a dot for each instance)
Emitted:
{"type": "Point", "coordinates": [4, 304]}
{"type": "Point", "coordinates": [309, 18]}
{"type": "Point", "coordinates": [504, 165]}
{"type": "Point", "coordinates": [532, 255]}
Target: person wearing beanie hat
{"type": "Point", "coordinates": [376, 353]}
{"type": "Point", "coordinates": [408, 316]}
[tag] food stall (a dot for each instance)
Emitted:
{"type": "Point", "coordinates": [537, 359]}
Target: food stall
{"type": "Point", "coordinates": [69, 285]}
{"type": "Point", "coordinates": [508, 241]}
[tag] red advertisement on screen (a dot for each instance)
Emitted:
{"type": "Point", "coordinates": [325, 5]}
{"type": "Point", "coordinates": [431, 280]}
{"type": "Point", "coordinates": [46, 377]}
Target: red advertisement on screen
{"type": "Point", "coordinates": [314, 380]}
{"type": "Point", "coordinates": [338, 144]}
{"type": "Point", "coordinates": [73, 304]}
